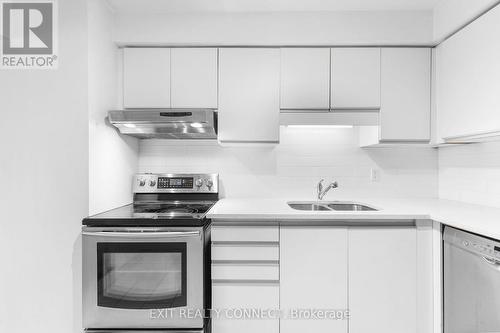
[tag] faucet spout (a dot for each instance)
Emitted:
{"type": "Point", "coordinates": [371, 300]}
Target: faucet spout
{"type": "Point", "coordinates": [323, 191]}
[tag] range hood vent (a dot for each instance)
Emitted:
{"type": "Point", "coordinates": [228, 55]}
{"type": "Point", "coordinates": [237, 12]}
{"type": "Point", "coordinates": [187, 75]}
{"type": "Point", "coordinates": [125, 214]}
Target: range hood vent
{"type": "Point", "coordinates": [166, 123]}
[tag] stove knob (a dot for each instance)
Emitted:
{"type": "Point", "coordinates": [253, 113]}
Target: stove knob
{"type": "Point", "coordinates": [152, 182]}
{"type": "Point", "coordinates": [142, 182]}
{"type": "Point", "coordinates": [210, 183]}
{"type": "Point", "coordinates": [199, 183]}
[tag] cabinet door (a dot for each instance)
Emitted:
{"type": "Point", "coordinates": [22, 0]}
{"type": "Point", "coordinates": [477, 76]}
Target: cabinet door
{"type": "Point", "coordinates": [382, 279]}
{"type": "Point", "coordinates": [355, 78]}
{"type": "Point", "coordinates": [305, 78]}
{"type": "Point", "coordinates": [313, 275]}
{"type": "Point", "coordinates": [249, 84]}
{"type": "Point", "coordinates": [405, 100]}
{"type": "Point", "coordinates": [468, 79]}
{"type": "Point", "coordinates": [146, 78]}
{"type": "Point", "coordinates": [230, 297]}
{"type": "Point", "coordinates": [194, 78]}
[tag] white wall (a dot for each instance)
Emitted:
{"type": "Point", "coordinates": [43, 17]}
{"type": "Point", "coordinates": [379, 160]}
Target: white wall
{"type": "Point", "coordinates": [44, 177]}
{"type": "Point", "coordinates": [471, 173]}
{"type": "Point", "coordinates": [293, 28]}
{"type": "Point", "coordinates": [293, 168]}
{"type": "Point", "coordinates": [112, 158]}
{"type": "Point", "coordinates": [451, 14]}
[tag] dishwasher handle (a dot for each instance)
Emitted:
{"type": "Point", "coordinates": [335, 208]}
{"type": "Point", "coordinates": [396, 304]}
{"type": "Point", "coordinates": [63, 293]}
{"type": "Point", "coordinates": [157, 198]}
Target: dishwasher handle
{"type": "Point", "coordinates": [495, 264]}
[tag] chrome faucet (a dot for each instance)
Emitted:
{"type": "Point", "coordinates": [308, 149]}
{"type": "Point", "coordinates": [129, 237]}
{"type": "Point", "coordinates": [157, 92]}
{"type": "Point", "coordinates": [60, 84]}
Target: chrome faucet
{"type": "Point", "coordinates": [323, 191]}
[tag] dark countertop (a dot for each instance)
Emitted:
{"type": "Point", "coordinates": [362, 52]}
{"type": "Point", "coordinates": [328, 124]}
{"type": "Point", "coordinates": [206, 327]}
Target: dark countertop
{"type": "Point", "coordinates": [125, 216]}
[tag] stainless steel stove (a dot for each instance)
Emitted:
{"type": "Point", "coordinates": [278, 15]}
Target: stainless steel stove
{"type": "Point", "coordinates": [150, 257]}
{"type": "Point", "coordinates": [164, 199]}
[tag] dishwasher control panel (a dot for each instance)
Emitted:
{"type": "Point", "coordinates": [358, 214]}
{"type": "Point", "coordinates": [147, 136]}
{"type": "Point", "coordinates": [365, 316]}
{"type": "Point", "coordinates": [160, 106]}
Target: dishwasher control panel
{"type": "Point", "coordinates": [473, 243]}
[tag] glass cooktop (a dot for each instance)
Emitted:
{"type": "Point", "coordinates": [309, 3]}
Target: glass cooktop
{"type": "Point", "coordinates": [143, 211]}
{"type": "Point", "coordinates": [173, 210]}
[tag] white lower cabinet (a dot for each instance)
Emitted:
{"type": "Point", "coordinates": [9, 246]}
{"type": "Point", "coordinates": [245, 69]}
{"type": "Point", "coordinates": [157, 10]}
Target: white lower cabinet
{"type": "Point", "coordinates": [243, 251]}
{"type": "Point", "coordinates": [313, 275]}
{"type": "Point", "coordinates": [245, 278]}
{"type": "Point", "coordinates": [246, 270]}
{"type": "Point", "coordinates": [380, 276]}
{"type": "Point", "coordinates": [383, 279]}
{"type": "Point", "coordinates": [231, 299]}
{"type": "Point", "coordinates": [256, 234]}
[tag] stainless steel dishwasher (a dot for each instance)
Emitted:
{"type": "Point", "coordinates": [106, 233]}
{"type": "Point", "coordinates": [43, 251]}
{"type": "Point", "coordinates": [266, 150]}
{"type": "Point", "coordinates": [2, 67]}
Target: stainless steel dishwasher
{"type": "Point", "coordinates": [471, 283]}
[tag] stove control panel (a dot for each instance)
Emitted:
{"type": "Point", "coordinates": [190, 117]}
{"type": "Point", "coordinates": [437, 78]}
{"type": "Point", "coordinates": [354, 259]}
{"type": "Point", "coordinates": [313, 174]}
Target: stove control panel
{"type": "Point", "coordinates": [176, 183]}
{"type": "Point", "coordinates": [181, 182]}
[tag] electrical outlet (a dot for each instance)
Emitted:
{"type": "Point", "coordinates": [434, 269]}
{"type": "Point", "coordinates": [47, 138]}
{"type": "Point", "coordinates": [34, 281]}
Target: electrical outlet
{"type": "Point", "coordinates": [375, 175]}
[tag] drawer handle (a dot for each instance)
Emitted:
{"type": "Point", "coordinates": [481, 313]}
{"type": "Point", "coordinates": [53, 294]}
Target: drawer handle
{"type": "Point", "coordinates": [245, 243]}
{"type": "Point", "coordinates": [246, 262]}
{"type": "Point", "coordinates": [234, 281]}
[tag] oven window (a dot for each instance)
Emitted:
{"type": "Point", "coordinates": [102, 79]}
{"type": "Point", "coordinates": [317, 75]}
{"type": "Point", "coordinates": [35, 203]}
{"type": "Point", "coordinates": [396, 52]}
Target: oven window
{"type": "Point", "coordinates": [141, 275]}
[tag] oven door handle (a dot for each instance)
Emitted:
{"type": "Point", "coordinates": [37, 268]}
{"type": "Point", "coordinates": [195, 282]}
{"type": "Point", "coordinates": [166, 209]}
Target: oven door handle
{"type": "Point", "coordinates": [139, 233]}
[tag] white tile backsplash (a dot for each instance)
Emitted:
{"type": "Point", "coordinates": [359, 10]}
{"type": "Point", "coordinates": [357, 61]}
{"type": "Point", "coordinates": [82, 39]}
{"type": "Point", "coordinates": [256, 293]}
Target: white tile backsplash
{"type": "Point", "coordinates": [294, 167]}
{"type": "Point", "coordinates": [471, 173]}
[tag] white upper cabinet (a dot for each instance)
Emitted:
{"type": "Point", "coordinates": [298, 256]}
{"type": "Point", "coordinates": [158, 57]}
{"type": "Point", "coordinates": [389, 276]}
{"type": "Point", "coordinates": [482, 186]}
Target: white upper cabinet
{"type": "Point", "coordinates": [355, 76]}
{"type": "Point", "coordinates": [146, 78]}
{"type": "Point", "coordinates": [194, 78]}
{"type": "Point", "coordinates": [405, 95]}
{"type": "Point", "coordinates": [468, 80]}
{"type": "Point", "coordinates": [305, 78]}
{"type": "Point", "coordinates": [249, 90]}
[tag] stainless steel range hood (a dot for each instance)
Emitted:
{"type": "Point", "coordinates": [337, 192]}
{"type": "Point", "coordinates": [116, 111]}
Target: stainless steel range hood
{"type": "Point", "coordinates": [166, 123]}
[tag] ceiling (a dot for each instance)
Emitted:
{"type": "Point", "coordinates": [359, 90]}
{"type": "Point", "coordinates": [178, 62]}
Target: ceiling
{"type": "Point", "coordinates": [202, 6]}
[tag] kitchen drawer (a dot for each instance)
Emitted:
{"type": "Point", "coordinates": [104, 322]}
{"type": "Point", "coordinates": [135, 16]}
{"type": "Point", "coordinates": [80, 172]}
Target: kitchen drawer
{"type": "Point", "coordinates": [227, 297]}
{"type": "Point", "coordinates": [245, 233]}
{"type": "Point", "coordinates": [234, 271]}
{"type": "Point", "coordinates": [245, 251]}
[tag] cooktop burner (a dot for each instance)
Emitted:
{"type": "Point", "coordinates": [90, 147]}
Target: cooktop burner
{"type": "Point", "coordinates": [172, 209]}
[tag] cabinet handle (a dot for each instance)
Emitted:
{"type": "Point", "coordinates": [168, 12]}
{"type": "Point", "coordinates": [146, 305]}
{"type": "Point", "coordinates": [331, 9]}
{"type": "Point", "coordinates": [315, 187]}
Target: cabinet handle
{"type": "Point", "coordinates": [246, 262]}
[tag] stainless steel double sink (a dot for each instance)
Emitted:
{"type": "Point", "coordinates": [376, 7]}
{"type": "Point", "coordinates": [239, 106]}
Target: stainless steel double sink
{"type": "Point", "coordinates": [329, 206]}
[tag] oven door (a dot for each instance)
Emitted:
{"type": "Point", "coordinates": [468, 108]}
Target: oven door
{"type": "Point", "coordinates": [143, 278]}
